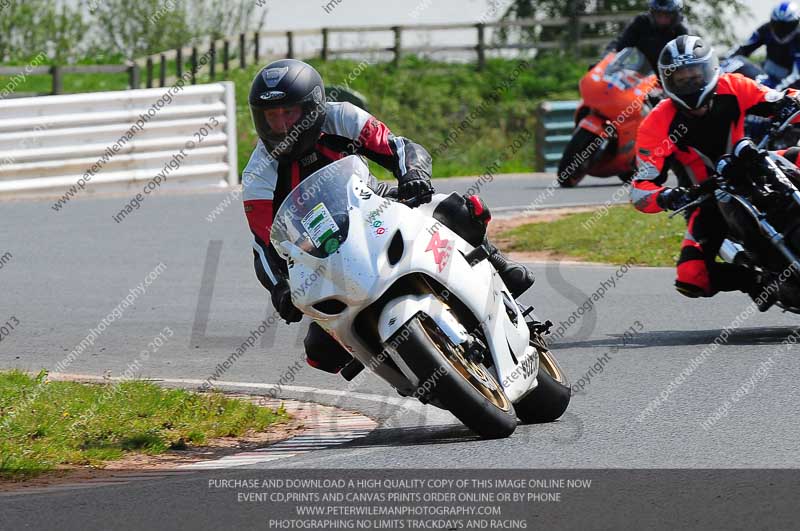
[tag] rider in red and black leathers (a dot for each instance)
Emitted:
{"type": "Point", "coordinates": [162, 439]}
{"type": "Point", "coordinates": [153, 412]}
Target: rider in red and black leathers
{"type": "Point", "coordinates": [700, 122]}
{"type": "Point", "coordinates": [649, 32]}
{"type": "Point", "coordinates": [299, 133]}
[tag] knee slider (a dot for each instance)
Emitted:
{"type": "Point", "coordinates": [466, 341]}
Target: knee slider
{"type": "Point", "coordinates": [323, 352]}
{"type": "Point", "coordinates": [689, 290]}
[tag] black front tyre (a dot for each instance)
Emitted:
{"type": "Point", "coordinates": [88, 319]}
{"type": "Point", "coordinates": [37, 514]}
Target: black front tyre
{"type": "Point", "coordinates": [467, 390]}
{"type": "Point", "coordinates": [551, 397]}
{"type": "Point", "coordinates": [577, 158]}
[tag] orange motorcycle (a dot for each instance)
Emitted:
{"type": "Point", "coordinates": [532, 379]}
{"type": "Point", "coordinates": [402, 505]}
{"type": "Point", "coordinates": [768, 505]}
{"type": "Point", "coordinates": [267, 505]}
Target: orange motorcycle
{"type": "Point", "coordinates": [614, 102]}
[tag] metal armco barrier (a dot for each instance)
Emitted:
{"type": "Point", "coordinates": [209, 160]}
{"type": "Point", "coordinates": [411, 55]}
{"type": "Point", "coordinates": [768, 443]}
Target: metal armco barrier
{"type": "Point", "coordinates": [555, 126]}
{"type": "Point", "coordinates": [120, 139]}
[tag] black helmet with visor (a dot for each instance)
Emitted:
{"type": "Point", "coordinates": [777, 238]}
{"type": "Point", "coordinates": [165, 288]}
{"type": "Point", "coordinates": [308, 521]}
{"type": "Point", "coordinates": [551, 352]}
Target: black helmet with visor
{"type": "Point", "coordinates": [666, 13]}
{"type": "Point", "coordinates": [287, 103]}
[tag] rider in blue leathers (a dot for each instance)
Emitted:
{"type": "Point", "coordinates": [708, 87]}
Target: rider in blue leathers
{"type": "Point", "coordinates": [782, 40]}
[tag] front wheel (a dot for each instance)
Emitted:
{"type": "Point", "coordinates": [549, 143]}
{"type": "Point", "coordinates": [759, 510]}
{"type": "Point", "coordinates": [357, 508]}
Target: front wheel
{"type": "Point", "coordinates": [466, 389]}
{"type": "Point", "coordinates": [577, 158]}
{"type": "Point", "coordinates": [551, 397]}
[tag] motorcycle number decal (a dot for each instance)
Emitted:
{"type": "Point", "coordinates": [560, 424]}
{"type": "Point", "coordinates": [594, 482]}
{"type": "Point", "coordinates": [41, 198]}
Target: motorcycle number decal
{"type": "Point", "coordinates": [441, 249]}
{"type": "Point", "coordinates": [528, 365]}
{"type": "Point", "coordinates": [364, 194]}
{"type": "Point", "coordinates": [319, 224]}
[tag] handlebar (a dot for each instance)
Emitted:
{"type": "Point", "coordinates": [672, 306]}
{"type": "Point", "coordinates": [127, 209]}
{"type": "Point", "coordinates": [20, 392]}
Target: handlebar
{"type": "Point", "coordinates": [776, 130]}
{"type": "Point", "coordinates": [699, 193]}
{"type": "Point", "coordinates": [414, 202]}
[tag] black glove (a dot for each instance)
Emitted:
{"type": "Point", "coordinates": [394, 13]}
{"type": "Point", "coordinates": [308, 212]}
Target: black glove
{"type": "Point", "coordinates": [673, 198]}
{"type": "Point", "coordinates": [415, 185]}
{"type": "Point", "coordinates": [655, 96]}
{"type": "Point", "coordinates": [282, 301]}
{"type": "Point", "coordinates": [785, 108]}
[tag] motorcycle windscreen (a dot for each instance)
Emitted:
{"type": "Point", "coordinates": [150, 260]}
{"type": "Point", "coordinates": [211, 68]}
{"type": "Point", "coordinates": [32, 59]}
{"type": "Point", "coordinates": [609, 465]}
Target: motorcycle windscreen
{"type": "Point", "coordinates": [628, 68]}
{"type": "Point", "coordinates": [314, 216]}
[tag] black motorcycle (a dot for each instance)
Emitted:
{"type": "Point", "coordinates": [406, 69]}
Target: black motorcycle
{"type": "Point", "coordinates": [757, 194]}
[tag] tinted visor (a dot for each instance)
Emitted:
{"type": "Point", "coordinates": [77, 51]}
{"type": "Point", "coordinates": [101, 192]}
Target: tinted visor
{"type": "Point", "coordinates": [689, 78]}
{"type": "Point", "coordinates": [282, 119]}
{"type": "Point", "coordinates": [782, 29]}
{"type": "Point", "coordinates": [664, 18]}
{"type": "Point", "coordinates": [280, 126]}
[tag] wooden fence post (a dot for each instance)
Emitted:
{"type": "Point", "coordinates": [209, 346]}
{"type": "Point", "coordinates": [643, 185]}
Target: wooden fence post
{"type": "Point", "coordinates": [58, 79]}
{"type": "Point", "coordinates": [226, 56]}
{"type": "Point", "coordinates": [573, 26]}
{"type": "Point", "coordinates": [289, 45]}
{"type": "Point", "coordinates": [149, 71]}
{"type": "Point", "coordinates": [133, 75]}
{"type": "Point", "coordinates": [212, 52]}
{"type": "Point", "coordinates": [324, 44]}
{"type": "Point", "coordinates": [179, 62]}
{"type": "Point", "coordinates": [162, 74]}
{"type": "Point", "coordinates": [398, 43]}
{"type": "Point", "coordinates": [256, 46]}
{"type": "Point", "coordinates": [194, 65]}
{"type": "Point", "coordinates": [481, 48]}
{"type": "Point", "coordinates": [242, 58]}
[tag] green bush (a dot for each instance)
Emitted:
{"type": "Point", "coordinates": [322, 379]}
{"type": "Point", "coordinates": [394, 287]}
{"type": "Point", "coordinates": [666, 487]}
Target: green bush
{"type": "Point", "coordinates": [426, 100]}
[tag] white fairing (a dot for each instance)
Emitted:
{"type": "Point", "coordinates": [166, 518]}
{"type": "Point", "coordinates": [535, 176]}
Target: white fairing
{"type": "Point", "coordinates": [358, 272]}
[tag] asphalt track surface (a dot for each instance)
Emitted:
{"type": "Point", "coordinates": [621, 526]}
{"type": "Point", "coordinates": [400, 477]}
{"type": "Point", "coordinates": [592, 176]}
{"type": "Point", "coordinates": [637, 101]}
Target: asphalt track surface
{"type": "Point", "coordinates": [70, 269]}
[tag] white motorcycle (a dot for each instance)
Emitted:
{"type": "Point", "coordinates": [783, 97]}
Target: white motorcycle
{"type": "Point", "coordinates": [415, 303]}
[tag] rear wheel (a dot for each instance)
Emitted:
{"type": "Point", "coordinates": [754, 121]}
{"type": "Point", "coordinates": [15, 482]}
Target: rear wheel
{"type": "Point", "coordinates": [551, 397]}
{"type": "Point", "coordinates": [577, 158]}
{"type": "Point", "coordinates": [466, 389]}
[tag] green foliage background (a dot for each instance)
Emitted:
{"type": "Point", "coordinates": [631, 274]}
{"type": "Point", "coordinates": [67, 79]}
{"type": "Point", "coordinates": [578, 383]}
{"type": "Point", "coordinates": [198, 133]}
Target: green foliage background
{"type": "Point", "coordinates": [710, 18]}
{"type": "Point", "coordinates": [425, 100]}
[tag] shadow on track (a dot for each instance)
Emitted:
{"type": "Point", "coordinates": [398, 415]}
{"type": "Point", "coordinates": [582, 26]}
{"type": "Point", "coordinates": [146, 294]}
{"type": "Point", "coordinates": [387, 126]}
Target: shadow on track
{"type": "Point", "coordinates": [415, 436]}
{"type": "Point", "coordinates": [568, 429]}
{"type": "Point", "coordinates": [676, 338]}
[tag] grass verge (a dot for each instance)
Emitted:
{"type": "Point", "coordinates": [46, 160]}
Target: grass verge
{"type": "Point", "coordinates": [44, 424]}
{"type": "Point", "coordinates": [620, 234]}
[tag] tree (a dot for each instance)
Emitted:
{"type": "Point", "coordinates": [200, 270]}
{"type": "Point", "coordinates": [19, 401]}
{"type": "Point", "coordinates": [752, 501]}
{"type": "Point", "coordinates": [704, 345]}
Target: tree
{"type": "Point", "coordinates": [711, 18]}
{"type": "Point", "coordinates": [136, 27]}
{"type": "Point", "coordinates": [31, 27]}
{"type": "Point", "coordinates": [143, 27]}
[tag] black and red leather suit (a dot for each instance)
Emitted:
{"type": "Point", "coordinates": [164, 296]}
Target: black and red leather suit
{"type": "Point", "coordinates": [691, 147]}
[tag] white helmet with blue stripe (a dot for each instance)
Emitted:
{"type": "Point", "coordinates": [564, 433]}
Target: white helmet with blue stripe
{"type": "Point", "coordinates": [784, 21]}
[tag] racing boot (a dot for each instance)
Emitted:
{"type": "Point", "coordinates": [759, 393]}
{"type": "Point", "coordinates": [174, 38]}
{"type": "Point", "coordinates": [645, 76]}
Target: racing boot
{"type": "Point", "coordinates": [516, 276]}
{"type": "Point", "coordinates": [765, 290]}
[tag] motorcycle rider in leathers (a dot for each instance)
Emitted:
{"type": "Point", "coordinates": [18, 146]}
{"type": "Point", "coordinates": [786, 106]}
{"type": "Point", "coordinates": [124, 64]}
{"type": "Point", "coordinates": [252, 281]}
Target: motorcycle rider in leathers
{"type": "Point", "coordinates": [649, 32]}
{"type": "Point", "coordinates": [299, 133]}
{"type": "Point", "coordinates": [781, 36]}
{"type": "Point", "coordinates": [702, 120]}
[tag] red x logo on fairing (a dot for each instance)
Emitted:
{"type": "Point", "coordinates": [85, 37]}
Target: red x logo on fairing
{"type": "Point", "coordinates": [440, 250]}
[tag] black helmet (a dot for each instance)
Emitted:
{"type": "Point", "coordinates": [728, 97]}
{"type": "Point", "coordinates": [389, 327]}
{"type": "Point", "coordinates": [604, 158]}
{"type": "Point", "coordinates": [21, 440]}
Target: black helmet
{"type": "Point", "coordinates": [671, 8]}
{"type": "Point", "coordinates": [689, 71]}
{"type": "Point", "coordinates": [784, 21]}
{"type": "Point", "coordinates": [287, 101]}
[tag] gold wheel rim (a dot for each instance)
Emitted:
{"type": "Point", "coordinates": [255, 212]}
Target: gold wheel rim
{"type": "Point", "coordinates": [477, 375]}
{"type": "Point", "coordinates": [547, 361]}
